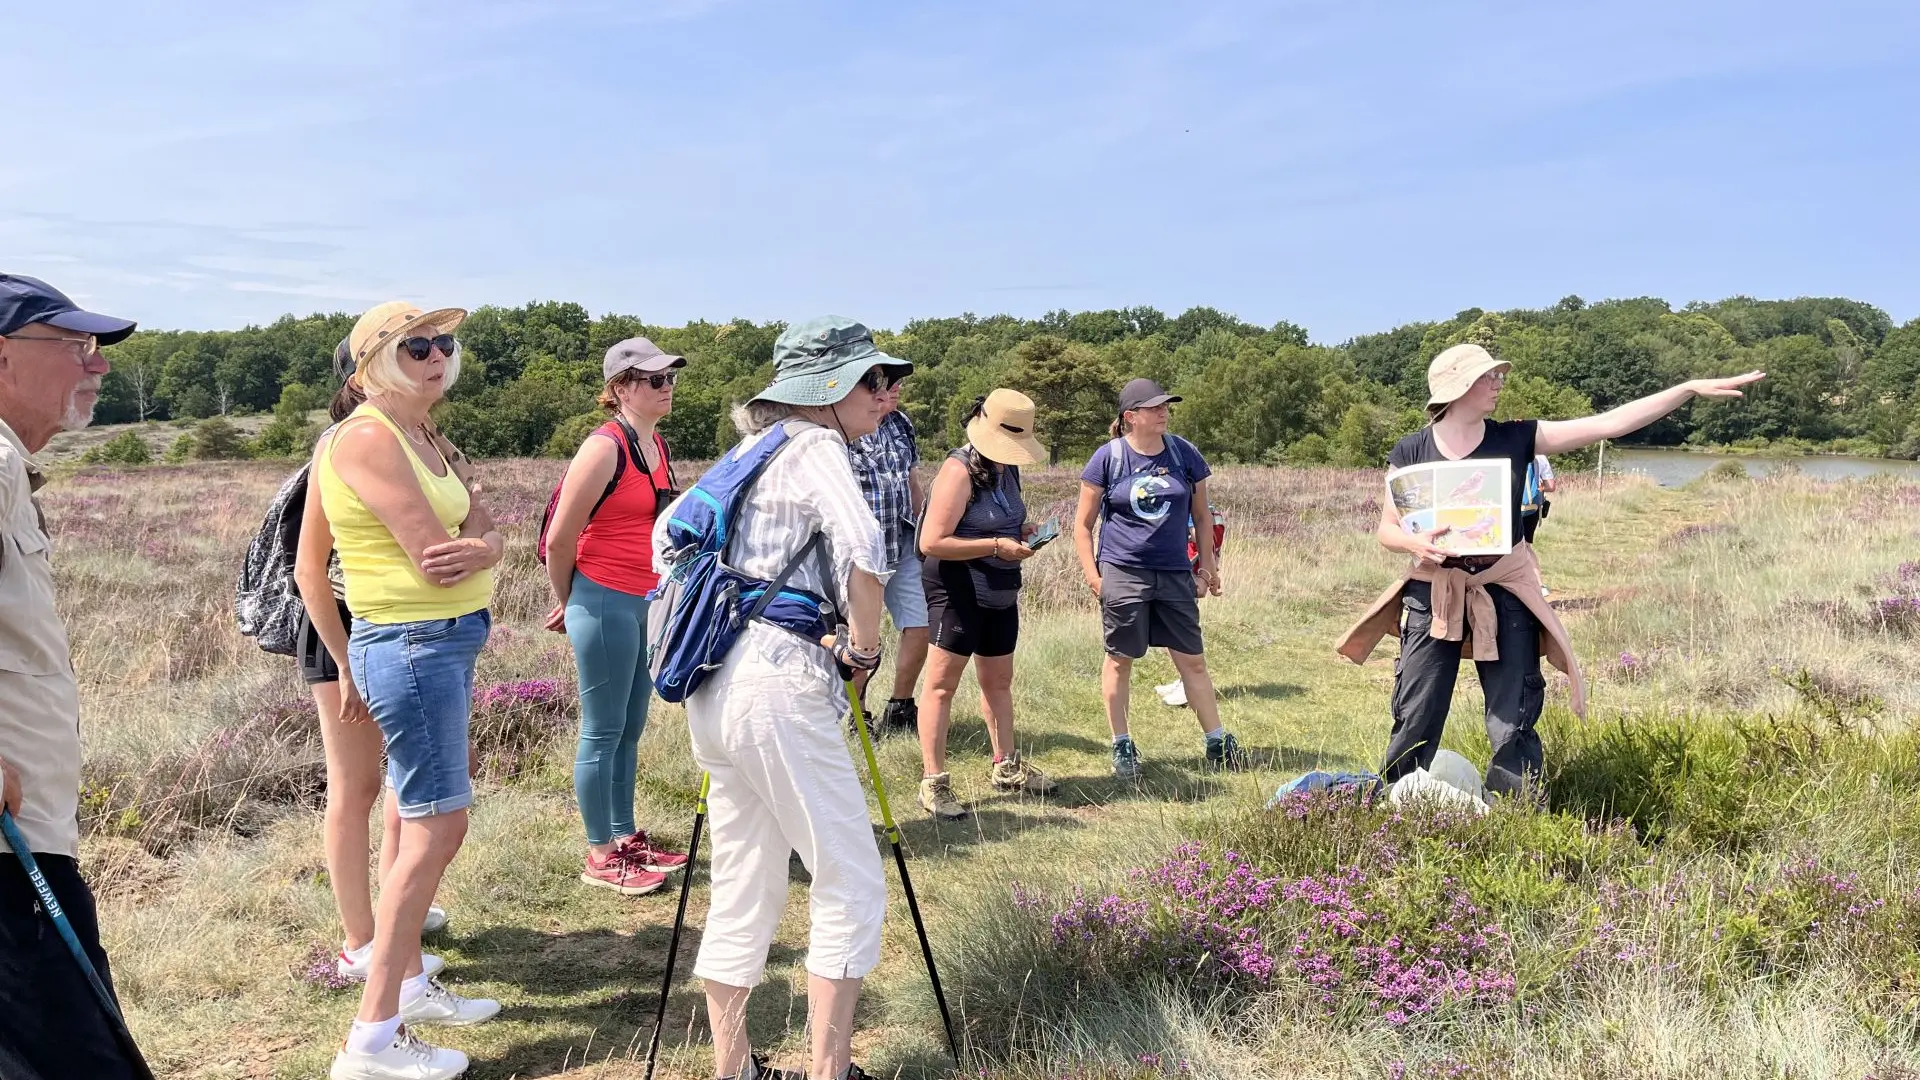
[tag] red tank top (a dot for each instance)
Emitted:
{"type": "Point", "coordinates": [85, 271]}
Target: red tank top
{"type": "Point", "coordinates": [616, 547]}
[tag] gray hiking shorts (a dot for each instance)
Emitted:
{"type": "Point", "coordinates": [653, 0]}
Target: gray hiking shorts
{"type": "Point", "coordinates": [1144, 609]}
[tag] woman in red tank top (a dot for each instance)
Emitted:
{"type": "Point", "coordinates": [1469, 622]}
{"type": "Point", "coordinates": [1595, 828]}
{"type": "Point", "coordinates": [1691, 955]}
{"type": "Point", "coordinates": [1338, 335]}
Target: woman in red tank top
{"type": "Point", "coordinates": [600, 564]}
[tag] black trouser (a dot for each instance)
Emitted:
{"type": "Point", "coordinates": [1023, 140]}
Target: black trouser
{"type": "Point", "coordinates": [1423, 680]}
{"type": "Point", "coordinates": [51, 1025]}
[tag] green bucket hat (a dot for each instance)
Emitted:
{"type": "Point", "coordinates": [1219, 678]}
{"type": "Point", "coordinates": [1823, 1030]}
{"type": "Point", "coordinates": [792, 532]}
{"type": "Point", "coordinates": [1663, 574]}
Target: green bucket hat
{"type": "Point", "coordinates": [818, 362]}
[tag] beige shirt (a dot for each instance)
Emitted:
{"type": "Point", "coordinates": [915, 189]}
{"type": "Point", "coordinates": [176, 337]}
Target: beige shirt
{"type": "Point", "coordinates": [39, 697]}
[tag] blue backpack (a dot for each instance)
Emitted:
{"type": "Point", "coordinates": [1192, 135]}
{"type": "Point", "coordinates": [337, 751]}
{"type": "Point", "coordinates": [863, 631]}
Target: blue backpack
{"type": "Point", "coordinates": [702, 605]}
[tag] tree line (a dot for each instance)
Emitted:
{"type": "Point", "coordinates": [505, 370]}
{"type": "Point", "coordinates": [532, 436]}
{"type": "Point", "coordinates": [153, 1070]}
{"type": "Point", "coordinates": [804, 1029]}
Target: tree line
{"type": "Point", "coordinates": [1841, 375]}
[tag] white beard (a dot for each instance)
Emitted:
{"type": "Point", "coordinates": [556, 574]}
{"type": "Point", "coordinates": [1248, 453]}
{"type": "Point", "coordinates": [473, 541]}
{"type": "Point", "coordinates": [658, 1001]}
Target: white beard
{"type": "Point", "coordinates": [76, 417]}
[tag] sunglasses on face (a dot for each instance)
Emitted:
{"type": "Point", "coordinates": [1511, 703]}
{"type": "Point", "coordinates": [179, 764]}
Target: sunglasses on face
{"type": "Point", "coordinates": [879, 381]}
{"type": "Point", "coordinates": [420, 347]}
{"type": "Point", "coordinates": [654, 379]}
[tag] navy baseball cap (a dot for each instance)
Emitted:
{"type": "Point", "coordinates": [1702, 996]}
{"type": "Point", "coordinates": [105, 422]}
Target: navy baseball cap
{"type": "Point", "coordinates": [25, 301]}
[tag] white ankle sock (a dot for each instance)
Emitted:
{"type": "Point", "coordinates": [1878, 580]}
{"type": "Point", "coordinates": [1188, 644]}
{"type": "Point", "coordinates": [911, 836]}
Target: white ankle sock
{"type": "Point", "coordinates": [358, 955]}
{"type": "Point", "coordinates": [371, 1038]}
{"type": "Point", "coordinates": [412, 989]}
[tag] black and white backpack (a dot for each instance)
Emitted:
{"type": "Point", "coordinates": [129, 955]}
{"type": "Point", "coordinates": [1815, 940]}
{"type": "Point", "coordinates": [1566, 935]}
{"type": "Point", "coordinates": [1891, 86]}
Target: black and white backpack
{"type": "Point", "coordinates": [265, 600]}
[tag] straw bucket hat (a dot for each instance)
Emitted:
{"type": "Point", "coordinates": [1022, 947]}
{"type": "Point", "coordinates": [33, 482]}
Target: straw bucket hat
{"type": "Point", "coordinates": [1003, 431]}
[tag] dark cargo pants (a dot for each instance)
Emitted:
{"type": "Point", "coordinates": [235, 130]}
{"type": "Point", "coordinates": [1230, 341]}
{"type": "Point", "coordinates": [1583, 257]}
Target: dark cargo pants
{"type": "Point", "coordinates": [51, 1025]}
{"type": "Point", "coordinates": [1423, 679]}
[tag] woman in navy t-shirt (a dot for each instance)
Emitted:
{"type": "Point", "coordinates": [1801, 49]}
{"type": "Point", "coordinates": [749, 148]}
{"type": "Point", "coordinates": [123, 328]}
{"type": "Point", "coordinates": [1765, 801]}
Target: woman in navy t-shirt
{"type": "Point", "coordinates": [1145, 483]}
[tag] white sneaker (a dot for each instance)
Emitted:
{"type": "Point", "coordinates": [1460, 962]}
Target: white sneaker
{"type": "Point", "coordinates": [440, 1005]}
{"type": "Point", "coordinates": [1173, 693]}
{"type": "Point", "coordinates": [407, 1058]}
{"type": "Point", "coordinates": [436, 920]}
{"type": "Point", "coordinates": [355, 967]}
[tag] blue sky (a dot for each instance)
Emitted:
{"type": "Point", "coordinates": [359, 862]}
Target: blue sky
{"type": "Point", "coordinates": [1346, 165]}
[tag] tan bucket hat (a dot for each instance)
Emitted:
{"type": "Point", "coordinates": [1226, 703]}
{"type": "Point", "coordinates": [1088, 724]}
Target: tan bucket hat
{"type": "Point", "coordinates": [397, 319]}
{"type": "Point", "coordinates": [1454, 372]}
{"type": "Point", "coordinates": [1003, 432]}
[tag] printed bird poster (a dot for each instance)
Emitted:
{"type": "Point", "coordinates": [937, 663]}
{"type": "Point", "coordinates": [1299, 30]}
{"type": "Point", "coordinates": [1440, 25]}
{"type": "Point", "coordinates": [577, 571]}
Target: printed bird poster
{"type": "Point", "coordinates": [1469, 497]}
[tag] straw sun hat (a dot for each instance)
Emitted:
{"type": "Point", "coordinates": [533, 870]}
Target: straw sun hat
{"type": "Point", "coordinates": [397, 320]}
{"type": "Point", "coordinates": [1003, 431]}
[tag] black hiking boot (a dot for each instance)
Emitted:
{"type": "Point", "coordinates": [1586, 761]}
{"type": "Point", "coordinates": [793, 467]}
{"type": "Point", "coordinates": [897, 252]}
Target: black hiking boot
{"type": "Point", "coordinates": [902, 716]}
{"type": "Point", "coordinates": [1225, 753]}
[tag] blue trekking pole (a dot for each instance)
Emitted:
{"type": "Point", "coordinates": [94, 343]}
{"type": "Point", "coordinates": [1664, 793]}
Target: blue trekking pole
{"type": "Point", "coordinates": [52, 904]}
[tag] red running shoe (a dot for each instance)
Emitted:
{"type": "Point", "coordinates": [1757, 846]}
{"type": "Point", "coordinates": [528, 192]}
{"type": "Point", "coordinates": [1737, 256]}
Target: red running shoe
{"type": "Point", "coordinates": [623, 875]}
{"type": "Point", "coordinates": [641, 851]}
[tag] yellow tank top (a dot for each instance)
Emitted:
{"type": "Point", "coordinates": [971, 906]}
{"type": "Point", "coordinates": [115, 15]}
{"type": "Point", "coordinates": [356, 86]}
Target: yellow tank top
{"type": "Point", "coordinates": [383, 585]}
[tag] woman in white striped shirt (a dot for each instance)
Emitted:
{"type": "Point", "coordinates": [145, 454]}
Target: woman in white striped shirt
{"type": "Point", "coordinates": [766, 726]}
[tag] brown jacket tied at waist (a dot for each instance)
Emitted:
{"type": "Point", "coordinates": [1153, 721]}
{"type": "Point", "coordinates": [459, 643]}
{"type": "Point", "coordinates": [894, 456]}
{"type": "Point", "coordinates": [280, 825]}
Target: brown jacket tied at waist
{"type": "Point", "coordinates": [1459, 600]}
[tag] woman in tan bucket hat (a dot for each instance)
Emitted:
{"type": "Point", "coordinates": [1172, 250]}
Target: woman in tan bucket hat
{"type": "Point", "coordinates": [1444, 596]}
{"type": "Point", "coordinates": [973, 540]}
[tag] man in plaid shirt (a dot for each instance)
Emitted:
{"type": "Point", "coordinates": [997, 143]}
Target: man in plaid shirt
{"type": "Point", "coordinates": [883, 463]}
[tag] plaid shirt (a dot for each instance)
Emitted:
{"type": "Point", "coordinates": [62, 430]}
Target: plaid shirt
{"type": "Point", "coordinates": [883, 463]}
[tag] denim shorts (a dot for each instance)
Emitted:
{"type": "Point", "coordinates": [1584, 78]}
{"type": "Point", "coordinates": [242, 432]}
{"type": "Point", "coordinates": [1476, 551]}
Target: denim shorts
{"type": "Point", "coordinates": [905, 596]}
{"type": "Point", "coordinates": [417, 679]}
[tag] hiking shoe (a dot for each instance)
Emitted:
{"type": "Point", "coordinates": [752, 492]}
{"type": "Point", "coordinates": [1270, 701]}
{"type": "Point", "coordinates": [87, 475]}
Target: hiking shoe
{"type": "Point", "coordinates": [902, 716]}
{"type": "Point", "coordinates": [936, 798]}
{"type": "Point", "coordinates": [436, 920]}
{"type": "Point", "coordinates": [356, 963]}
{"type": "Point", "coordinates": [439, 1005]}
{"type": "Point", "coordinates": [644, 853]}
{"type": "Point", "coordinates": [408, 1057]}
{"type": "Point", "coordinates": [1126, 759]}
{"type": "Point", "coordinates": [623, 875]}
{"type": "Point", "coordinates": [1012, 773]}
{"type": "Point", "coordinates": [1224, 753]}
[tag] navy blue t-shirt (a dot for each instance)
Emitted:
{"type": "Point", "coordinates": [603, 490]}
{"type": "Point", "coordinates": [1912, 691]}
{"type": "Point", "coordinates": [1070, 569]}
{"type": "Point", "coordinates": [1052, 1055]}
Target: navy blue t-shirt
{"type": "Point", "coordinates": [1147, 523]}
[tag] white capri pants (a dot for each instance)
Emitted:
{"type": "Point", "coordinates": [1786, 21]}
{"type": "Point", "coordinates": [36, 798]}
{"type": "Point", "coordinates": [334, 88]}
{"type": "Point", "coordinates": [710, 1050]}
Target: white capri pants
{"type": "Point", "coordinates": [766, 727]}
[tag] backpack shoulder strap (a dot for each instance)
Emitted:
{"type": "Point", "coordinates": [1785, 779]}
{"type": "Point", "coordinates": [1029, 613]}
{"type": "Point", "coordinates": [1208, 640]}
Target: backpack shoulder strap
{"type": "Point", "coordinates": [666, 461]}
{"type": "Point", "coordinates": [620, 450]}
{"type": "Point", "coordinates": [1116, 460]}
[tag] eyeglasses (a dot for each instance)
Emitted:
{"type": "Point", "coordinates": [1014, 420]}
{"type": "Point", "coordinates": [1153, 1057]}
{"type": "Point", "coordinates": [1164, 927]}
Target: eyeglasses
{"type": "Point", "coordinates": [420, 348]}
{"type": "Point", "coordinates": [81, 349]}
{"type": "Point", "coordinates": [878, 380]}
{"type": "Point", "coordinates": [654, 379]}
{"type": "Point", "coordinates": [1496, 378]}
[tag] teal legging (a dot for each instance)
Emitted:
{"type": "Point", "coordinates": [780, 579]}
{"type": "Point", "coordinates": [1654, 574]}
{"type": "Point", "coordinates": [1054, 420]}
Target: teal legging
{"type": "Point", "coordinates": [608, 629]}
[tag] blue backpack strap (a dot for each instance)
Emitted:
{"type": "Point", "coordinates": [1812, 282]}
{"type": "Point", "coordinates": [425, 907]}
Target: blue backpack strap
{"type": "Point", "coordinates": [780, 581]}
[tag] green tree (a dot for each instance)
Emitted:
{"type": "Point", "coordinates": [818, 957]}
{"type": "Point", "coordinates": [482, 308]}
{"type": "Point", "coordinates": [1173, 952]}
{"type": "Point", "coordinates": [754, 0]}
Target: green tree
{"type": "Point", "coordinates": [216, 439]}
{"type": "Point", "coordinates": [1074, 394]}
{"type": "Point", "coordinates": [126, 448]}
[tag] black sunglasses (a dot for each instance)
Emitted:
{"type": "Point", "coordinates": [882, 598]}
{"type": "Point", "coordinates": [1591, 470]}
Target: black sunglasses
{"type": "Point", "coordinates": [420, 348]}
{"type": "Point", "coordinates": [655, 379]}
{"type": "Point", "coordinates": [879, 379]}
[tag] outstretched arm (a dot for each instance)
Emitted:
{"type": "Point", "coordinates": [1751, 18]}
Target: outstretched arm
{"type": "Point", "coordinates": [1564, 436]}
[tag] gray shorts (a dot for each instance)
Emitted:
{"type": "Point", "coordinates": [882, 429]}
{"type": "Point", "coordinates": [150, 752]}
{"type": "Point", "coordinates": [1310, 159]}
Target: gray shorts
{"type": "Point", "coordinates": [1148, 609]}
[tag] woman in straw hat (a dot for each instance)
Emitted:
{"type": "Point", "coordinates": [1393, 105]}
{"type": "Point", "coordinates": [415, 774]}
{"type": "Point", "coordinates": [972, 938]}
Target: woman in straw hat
{"type": "Point", "coordinates": [1496, 597]}
{"type": "Point", "coordinates": [1145, 483]}
{"type": "Point", "coordinates": [416, 553]}
{"type": "Point", "coordinates": [972, 538]}
{"type": "Point", "coordinates": [352, 742]}
{"type": "Point", "coordinates": [766, 726]}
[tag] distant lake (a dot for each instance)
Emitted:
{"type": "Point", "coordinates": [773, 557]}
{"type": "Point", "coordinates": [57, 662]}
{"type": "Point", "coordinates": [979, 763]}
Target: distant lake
{"type": "Point", "coordinates": [1670, 468]}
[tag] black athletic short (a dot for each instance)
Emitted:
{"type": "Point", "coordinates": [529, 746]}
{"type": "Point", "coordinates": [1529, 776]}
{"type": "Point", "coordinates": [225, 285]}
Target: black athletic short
{"type": "Point", "coordinates": [955, 620]}
{"type": "Point", "coordinates": [316, 663]}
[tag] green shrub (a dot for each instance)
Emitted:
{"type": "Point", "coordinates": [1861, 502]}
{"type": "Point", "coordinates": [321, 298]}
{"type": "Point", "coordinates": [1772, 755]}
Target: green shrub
{"type": "Point", "coordinates": [182, 448]}
{"type": "Point", "coordinates": [126, 448]}
{"type": "Point", "coordinates": [571, 432]}
{"type": "Point", "coordinates": [216, 439]}
{"type": "Point", "coordinates": [1728, 472]}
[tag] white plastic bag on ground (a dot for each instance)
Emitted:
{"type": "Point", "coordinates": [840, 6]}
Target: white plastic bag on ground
{"type": "Point", "coordinates": [1173, 693]}
{"type": "Point", "coordinates": [1452, 782]}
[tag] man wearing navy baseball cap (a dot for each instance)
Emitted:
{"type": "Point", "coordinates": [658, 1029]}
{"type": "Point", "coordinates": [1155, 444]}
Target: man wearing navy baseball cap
{"type": "Point", "coordinates": [50, 371]}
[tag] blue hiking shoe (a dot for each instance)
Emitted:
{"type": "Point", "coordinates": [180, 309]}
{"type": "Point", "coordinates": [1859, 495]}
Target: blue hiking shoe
{"type": "Point", "coordinates": [1224, 753]}
{"type": "Point", "coordinates": [1126, 759]}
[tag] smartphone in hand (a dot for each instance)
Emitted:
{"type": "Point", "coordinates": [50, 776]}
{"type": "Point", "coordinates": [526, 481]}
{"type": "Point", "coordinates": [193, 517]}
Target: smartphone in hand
{"type": "Point", "coordinates": [1048, 532]}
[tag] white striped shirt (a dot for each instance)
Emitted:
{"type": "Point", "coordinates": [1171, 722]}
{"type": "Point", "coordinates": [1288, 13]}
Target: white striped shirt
{"type": "Point", "coordinates": [808, 487]}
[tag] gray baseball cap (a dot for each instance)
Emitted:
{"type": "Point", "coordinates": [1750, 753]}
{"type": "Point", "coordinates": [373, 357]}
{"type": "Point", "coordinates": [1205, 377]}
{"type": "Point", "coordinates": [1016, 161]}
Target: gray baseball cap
{"type": "Point", "coordinates": [637, 354]}
{"type": "Point", "coordinates": [817, 362]}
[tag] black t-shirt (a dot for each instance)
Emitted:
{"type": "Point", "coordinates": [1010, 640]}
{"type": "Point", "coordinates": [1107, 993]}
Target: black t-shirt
{"type": "Point", "coordinates": [1510, 439]}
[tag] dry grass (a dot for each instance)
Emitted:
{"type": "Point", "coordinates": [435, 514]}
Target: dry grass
{"type": "Point", "coordinates": [202, 775]}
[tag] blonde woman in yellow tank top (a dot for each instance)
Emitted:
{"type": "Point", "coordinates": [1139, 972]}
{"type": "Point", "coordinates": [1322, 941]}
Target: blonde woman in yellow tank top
{"type": "Point", "coordinates": [417, 552]}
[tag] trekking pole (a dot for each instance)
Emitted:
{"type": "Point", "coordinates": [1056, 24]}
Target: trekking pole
{"type": "Point", "coordinates": [60, 923]}
{"type": "Point", "coordinates": [900, 861]}
{"type": "Point", "coordinates": [679, 919]}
